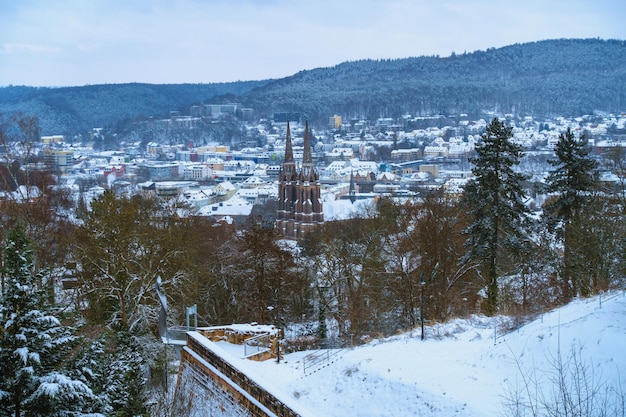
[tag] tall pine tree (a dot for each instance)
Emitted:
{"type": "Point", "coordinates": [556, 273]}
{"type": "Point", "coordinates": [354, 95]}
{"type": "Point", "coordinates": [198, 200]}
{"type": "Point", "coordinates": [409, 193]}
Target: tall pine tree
{"type": "Point", "coordinates": [573, 179]}
{"type": "Point", "coordinates": [494, 198]}
{"type": "Point", "coordinates": [33, 343]}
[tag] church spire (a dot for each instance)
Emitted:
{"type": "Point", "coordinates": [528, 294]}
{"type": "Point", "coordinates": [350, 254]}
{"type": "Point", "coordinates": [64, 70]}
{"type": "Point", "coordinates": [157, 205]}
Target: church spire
{"type": "Point", "coordinates": [352, 190]}
{"type": "Point", "coordinates": [300, 208]}
{"type": "Point", "coordinates": [288, 147]}
{"type": "Point", "coordinates": [307, 157]}
{"type": "Point", "coordinates": [307, 173]}
{"type": "Point", "coordinates": [289, 165]}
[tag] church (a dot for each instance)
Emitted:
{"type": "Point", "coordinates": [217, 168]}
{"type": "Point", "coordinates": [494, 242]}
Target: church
{"type": "Point", "coordinates": [299, 192]}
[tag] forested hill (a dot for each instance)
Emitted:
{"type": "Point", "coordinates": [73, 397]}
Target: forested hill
{"type": "Point", "coordinates": [546, 78]}
{"type": "Point", "coordinates": [71, 110]}
{"type": "Point", "coordinates": [552, 77]}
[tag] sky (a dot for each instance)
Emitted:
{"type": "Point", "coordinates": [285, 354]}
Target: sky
{"type": "Point", "coordinates": [81, 42]}
{"type": "Point", "coordinates": [462, 368]}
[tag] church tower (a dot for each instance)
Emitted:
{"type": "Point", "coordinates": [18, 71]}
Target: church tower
{"type": "Point", "coordinates": [287, 179]}
{"type": "Point", "coordinates": [299, 193]}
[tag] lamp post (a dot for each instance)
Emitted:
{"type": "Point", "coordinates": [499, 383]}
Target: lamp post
{"type": "Point", "coordinates": [422, 284]}
{"type": "Point", "coordinates": [278, 346]}
{"type": "Point", "coordinates": [277, 320]}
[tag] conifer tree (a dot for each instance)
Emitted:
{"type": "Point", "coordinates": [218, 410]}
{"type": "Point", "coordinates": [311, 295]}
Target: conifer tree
{"type": "Point", "coordinates": [114, 365]}
{"type": "Point", "coordinates": [33, 343]}
{"type": "Point", "coordinates": [494, 199]}
{"type": "Point", "coordinates": [573, 179]}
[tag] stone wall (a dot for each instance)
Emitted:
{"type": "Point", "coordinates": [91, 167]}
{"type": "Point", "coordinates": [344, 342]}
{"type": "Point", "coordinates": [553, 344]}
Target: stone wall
{"type": "Point", "coordinates": [228, 391]}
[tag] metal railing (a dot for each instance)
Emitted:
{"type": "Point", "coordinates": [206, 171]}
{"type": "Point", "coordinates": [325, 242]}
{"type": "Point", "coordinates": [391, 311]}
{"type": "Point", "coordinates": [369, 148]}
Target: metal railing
{"type": "Point", "coordinates": [319, 359]}
{"type": "Point", "coordinates": [256, 345]}
{"type": "Point", "coordinates": [176, 335]}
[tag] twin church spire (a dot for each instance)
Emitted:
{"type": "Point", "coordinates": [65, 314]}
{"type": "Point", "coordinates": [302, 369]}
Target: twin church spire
{"type": "Point", "coordinates": [300, 208]}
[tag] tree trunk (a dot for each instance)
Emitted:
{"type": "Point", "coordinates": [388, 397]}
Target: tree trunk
{"type": "Point", "coordinates": [568, 285]}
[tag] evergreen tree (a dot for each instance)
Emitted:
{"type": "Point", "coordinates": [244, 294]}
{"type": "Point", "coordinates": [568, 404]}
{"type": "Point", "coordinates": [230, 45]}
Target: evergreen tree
{"type": "Point", "coordinates": [573, 179]}
{"type": "Point", "coordinates": [33, 343]}
{"type": "Point", "coordinates": [495, 206]}
{"type": "Point", "coordinates": [113, 365]}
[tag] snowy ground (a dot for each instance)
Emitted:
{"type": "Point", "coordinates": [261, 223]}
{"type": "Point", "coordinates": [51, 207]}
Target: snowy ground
{"type": "Point", "coordinates": [461, 368]}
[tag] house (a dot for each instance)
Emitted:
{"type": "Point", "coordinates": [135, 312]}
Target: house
{"type": "Point", "coordinates": [196, 171]}
{"type": "Point", "coordinates": [403, 155]}
{"type": "Point", "coordinates": [236, 207]}
{"type": "Point", "coordinates": [198, 197]}
{"type": "Point", "coordinates": [340, 154]}
{"type": "Point", "coordinates": [435, 151]}
{"type": "Point", "coordinates": [253, 182]}
{"type": "Point", "coordinates": [225, 189]}
{"type": "Point", "coordinates": [172, 189]}
{"type": "Point", "coordinates": [117, 171]}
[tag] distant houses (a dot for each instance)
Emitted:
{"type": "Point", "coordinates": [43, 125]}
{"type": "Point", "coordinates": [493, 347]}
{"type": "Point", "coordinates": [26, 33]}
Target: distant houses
{"type": "Point", "coordinates": [354, 160]}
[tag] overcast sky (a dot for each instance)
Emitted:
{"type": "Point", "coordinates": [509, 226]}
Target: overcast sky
{"type": "Point", "coordinates": [78, 42]}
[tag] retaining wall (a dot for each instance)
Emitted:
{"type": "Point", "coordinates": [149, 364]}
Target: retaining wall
{"type": "Point", "coordinates": [226, 389]}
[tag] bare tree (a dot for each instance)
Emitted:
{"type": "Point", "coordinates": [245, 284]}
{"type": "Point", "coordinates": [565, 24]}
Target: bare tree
{"type": "Point", "coordinates": [120, 251]}
{"type": "Point", "coordinates": [569, 388]}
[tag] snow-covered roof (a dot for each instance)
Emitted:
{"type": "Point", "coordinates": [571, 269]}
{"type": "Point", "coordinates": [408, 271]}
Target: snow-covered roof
{"type": "Point", "coordinates": [253, 181]}
{"type": "Point", "coordinates": [344, 209]}
{"type": "Point", "coordinates": [235, 206]}
{"type": "Point", "coordinates": [226, 186]}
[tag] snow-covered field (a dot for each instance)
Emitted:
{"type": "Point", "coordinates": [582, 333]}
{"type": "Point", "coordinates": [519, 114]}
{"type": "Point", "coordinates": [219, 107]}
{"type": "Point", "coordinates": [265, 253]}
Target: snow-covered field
{"type": "Point", "coordinates": [461, 368]}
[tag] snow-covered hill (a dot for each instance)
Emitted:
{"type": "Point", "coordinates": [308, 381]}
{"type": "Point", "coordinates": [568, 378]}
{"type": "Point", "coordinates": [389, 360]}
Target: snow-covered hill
{"type": "Point", "coordinates": [467, 368]}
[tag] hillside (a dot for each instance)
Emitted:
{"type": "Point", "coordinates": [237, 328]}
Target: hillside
{"type": "Point", "coordinates": [567, 77]}
{"type": "Point", "coordinates": [554, 77]}
{"type": "Point", "coordinates": [70, 110]}
{"type": "Point", "coordinates": [461, 369]}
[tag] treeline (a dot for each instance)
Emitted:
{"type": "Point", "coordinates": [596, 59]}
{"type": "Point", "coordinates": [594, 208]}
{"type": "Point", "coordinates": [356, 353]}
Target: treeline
{"type": "Point", "coordinates": [82, 274]}
{"type": "Point", "coordinates": [565, 77]}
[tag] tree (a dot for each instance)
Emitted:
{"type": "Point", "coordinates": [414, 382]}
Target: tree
{"type": "Point", "coordinates": [403, 261]}
{"type": "Point", "coordinates": [266, 274]}
{"type": "Point", "coordinates": [29, 195]}
{"type": "Point", "coordinates": [120, 250]}
{"type": "Point", "coordinates": [437, 232]}
{"type": "Point", "coordinates": [616, 163]}
{"type": "Point", "coordinates": [220, 297]}
{"type": "Point", "coordinates": [328, 256]}
{"type": "Point", "coordinates": [424, 253]}
{"type": "Point", "coordinates": [494, 198]}
{"type": "Point", "coordinates": [347, 269]}
{"type": "Point", "coordinates": [573, 179]}
{"type": "Point", "coordinates": [113, 365]}
{"type": "Point", "coordinates": [198, 269]}
{"type": "Point", "coordinates": [33, 343]}
{"type": "Point", "coordinates": [594, 238]}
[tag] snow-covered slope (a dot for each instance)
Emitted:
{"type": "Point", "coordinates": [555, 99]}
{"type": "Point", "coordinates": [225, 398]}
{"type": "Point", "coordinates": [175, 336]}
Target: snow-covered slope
{"type": "Point", "coordinates": [462, 369]}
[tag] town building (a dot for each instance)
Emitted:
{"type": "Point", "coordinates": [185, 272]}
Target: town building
{"type": "Point", "coordinates": [59, 160]}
